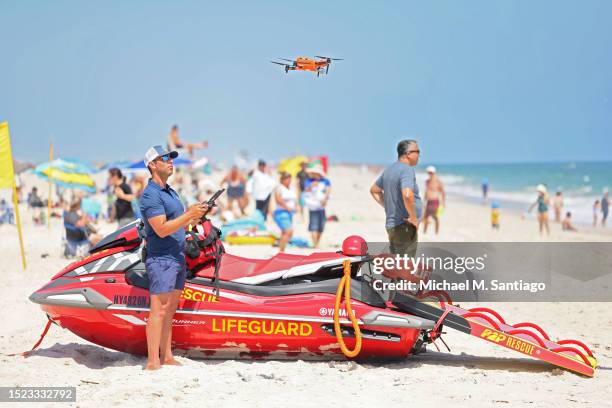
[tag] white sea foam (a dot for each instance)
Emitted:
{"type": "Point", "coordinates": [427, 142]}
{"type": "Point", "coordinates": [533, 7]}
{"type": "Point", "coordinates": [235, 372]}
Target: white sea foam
{"type": "Point", "coordinates": [578, 200]}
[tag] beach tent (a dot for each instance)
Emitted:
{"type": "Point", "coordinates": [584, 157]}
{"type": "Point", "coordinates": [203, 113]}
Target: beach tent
{"type": "Point", "coordinates": [120, 164]}
{"type": "Point", "coordinates": [69, 174]}
{"type": "Point", "coordinates": [178, 162]}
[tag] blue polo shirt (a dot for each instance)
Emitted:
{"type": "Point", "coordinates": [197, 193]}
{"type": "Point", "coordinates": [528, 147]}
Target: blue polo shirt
{"type": "Point", "coordinates": [157, 201]}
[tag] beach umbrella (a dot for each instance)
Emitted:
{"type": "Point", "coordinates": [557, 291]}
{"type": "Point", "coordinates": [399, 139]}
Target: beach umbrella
{"type": "Point", "coordinates": [67, 174]}
{"type": "Point", "coordinates": [292, 165]}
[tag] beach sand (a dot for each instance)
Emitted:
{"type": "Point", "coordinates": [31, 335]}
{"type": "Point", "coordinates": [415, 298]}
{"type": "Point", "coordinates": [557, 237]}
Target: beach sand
{"type": "Point", "coordinates": [474, 373]}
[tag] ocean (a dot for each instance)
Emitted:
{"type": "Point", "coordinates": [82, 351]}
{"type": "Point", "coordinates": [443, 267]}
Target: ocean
{"type": "Point", "coordinates": [513, 185]}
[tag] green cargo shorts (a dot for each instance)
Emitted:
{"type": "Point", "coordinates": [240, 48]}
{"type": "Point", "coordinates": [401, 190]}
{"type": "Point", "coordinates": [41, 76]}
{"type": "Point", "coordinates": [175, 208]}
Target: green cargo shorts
{"type": "Point", "coordinates": [403, 239]}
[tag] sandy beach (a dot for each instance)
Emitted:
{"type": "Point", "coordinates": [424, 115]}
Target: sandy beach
{"type": "Point", "coordinates": [474, 373]}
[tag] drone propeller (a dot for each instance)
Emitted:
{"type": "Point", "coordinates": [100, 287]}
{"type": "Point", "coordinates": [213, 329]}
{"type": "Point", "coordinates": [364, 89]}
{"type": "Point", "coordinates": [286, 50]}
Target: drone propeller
{"type": "Point", "coordinates": [285, 59]}
{"type": "Point", "coordinates": [287, 66]}
{"type": "Point", "coordinates": [329, 58]}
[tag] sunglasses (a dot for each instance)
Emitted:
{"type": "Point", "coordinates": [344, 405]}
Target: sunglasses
{"type": "Point", "coordinates": [165, 158]}
{"type": "Point", "coordinates": [414, 151]}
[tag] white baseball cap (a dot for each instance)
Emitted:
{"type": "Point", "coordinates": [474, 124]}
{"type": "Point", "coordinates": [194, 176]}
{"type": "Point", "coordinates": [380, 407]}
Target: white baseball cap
{"type": "Point", "coordinates": [157, 151]}
{"type": "Point", "coordinates": [431, 169]}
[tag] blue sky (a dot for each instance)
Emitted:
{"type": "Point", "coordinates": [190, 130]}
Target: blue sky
{"type": "Point", "coordinates": [473, 81]}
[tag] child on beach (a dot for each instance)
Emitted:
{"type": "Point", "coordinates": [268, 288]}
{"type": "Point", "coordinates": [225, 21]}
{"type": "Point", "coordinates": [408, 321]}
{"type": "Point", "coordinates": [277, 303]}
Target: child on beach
{"type": "Point", "coordinates": [495, 216]}
{"type": "Point", "coordinates": [595, 210]}
{"type": "Point", "coordinates": [567, 225]}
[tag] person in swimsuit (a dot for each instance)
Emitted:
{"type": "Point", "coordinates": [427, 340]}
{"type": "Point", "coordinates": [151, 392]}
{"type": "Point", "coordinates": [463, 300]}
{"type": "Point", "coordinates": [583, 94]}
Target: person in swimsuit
{"type": "Point", "coordinates": [286, 206]}
{"type": "Point", "coordinates": [485, 188]}
{"type": "Point", "coordinates": [605, 206]}
{"type": "Point", "coordinates": [175, 143]}
{"type": "Point", "coordinates": [596, 206]}
{"type": "Point", "coordinates": [236, 183]}
{"type": "Point", "coordinates": [434, 197]}
{"type": "Point", "coordinates": [542, 203]}
{"type": "Point", "coordinates": [558, 206]}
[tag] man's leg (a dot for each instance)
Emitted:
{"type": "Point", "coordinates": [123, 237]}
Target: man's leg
{"type": "Point", "coordinates": [166, 356]}
{"type": "Point", "coordinates": [397, 245]}
{"type": "Point", "coordinates": [266, 207]}
{"type": "Point", "coordinates": [262, 207]}
{"type": "Point", "coordinates": [315, 238]}
{"type": "Point", "coordinates": [159, 308]}
{"type": "Point", "coordinates": [403, 240]}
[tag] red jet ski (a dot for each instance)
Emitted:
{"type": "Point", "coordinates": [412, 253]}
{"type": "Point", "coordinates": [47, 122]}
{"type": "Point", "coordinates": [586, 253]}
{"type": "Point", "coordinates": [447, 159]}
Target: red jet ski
{"type": "Point", "coordinates": [231, 307]}
{"type": "Point", "coordinates": [278, 308]}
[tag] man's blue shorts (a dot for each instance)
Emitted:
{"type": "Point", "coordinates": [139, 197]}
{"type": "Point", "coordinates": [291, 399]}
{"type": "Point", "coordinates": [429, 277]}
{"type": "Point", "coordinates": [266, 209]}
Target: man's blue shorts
{"type": "Point", "coordinates": [165, 274]}
{"type": "Point", "coordinates": [283, 218]}
{"type": "Point", "coordinates": [316, 220]}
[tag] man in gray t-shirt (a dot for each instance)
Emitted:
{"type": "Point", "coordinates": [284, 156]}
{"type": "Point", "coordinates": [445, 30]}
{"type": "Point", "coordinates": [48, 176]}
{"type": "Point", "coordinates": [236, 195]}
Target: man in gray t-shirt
{"type": "Point", "coordinates": [396, 190]}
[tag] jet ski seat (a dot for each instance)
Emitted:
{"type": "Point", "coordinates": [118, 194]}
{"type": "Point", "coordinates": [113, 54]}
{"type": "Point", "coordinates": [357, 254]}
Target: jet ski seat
{"type": "Point", "coordinates": [256, 271]}
{"type": "Point", "coordinates": [281, 266]}
{"type": "Point", "coordinates": [137, 276]}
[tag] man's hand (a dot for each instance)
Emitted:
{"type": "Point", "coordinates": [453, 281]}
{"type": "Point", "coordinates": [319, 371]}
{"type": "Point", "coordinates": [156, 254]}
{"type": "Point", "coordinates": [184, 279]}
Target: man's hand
{"type": "Point", "coordinates": [196, 211]}
{"type": "Point", "coordinates": [413, 221]}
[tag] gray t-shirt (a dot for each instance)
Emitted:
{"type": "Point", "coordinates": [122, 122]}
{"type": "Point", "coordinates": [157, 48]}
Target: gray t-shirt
{"type": "Point", "coordinates": [396, 177]}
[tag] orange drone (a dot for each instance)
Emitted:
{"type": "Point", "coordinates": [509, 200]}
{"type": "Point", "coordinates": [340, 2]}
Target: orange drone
{"type": "Point", "coordinates": [320, 65]}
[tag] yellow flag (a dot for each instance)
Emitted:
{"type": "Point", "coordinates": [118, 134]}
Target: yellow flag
{"type": "Point", "coordinates": [7, 177]}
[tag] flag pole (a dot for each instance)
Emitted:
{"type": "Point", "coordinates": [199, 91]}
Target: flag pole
{"type": "Point", "coordinates": [49, 201]}
{"type": "Point", "coordinates": [16, 204]}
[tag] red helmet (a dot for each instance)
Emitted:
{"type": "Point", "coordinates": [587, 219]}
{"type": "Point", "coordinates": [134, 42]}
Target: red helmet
{"type": "Point", "coordinates": [354, 246]}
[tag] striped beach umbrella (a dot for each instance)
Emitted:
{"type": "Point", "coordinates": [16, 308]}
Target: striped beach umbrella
{"type": "Point", "coordinates": [67, 174]}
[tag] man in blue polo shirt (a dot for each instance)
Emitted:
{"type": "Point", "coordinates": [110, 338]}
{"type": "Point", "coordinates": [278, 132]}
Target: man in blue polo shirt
{"type": "Point", "coordinates": [165, 221]}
